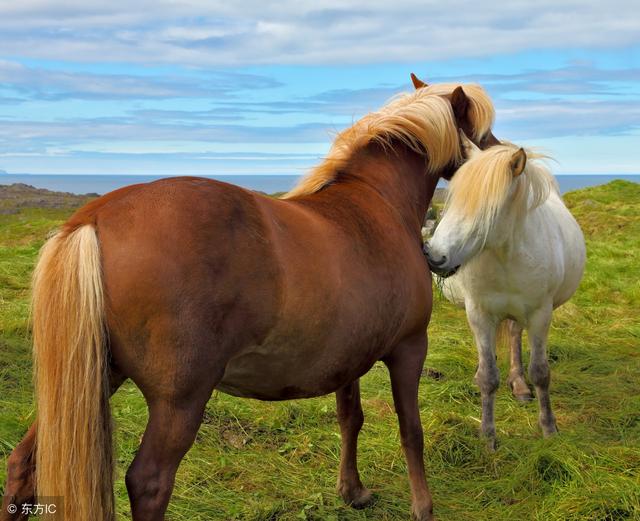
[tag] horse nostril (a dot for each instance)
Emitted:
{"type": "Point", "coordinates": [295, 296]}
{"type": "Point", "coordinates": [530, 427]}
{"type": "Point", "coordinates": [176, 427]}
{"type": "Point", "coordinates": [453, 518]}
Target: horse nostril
{"type": "Point", "coordinates": [439, 262]}
{"type": "Point", "coordinates": [426, 248]}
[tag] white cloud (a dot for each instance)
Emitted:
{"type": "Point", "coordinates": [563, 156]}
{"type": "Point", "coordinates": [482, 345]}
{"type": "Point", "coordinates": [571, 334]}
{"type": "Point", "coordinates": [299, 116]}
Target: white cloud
{"type": "Point", "coordinates": [200, 32]}
{"type": "Point", "coordinates": [47, 84]}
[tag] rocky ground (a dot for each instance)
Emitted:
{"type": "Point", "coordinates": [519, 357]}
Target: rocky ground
{"type": "Point", "coordinates": [19, 195]}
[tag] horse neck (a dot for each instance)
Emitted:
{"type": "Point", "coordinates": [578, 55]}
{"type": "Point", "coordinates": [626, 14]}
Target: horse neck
{"type": "Point", "coordinates": [399, 176]}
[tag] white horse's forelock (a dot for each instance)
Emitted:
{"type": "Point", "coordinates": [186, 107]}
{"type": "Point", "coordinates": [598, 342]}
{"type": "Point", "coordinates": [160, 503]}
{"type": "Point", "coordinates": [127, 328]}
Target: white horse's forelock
{"type": "Point", "coordinates": [482, 187]}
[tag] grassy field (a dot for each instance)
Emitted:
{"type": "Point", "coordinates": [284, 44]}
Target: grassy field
{"type": "Point", "coordinates": [263, 461]}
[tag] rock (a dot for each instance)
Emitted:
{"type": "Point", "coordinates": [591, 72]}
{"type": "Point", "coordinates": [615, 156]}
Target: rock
{"type": "Point", "coordinates": [432, 373]}
{"type": "Point", "coordinates": [428, 228]}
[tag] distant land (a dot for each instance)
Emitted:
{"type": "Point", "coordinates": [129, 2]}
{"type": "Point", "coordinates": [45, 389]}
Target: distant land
{"type": "Point", "coordinates": [101, 184]}
{"type": "Point", "coordinates": [18, 196]}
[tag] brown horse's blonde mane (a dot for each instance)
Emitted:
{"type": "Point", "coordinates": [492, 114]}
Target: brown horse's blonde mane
{"type": "Point", "coordinates": [423, 120]}
{"type": "Point", "coordinates": [481, 111]}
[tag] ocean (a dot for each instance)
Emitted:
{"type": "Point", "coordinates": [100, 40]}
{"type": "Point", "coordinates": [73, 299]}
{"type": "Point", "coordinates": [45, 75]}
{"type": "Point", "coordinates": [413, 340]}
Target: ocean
{"type": "Point", "coordinates": [101, 184]}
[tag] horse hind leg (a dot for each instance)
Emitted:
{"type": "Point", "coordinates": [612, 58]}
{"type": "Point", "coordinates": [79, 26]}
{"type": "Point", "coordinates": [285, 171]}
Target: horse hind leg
{"type": "Point", "coordinates": [173, 423]}
{"type": "Point", "coordinates": [21, 466]}
{"type": "Point", "coordinates": [350, 418]}
{"type": "Point", "coordinates": [539, 371]}
{"type": "Point", "coordinates": [20, 487]}
{"type": "Point", "coordinates": [516, 381]}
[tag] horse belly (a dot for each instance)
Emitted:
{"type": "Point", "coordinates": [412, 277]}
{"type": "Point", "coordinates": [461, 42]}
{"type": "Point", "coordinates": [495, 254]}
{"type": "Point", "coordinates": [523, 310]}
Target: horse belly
{"type": "Point", "coordinates": [284, 374]}
{"type": "Point", "coordinates": [314, 353]}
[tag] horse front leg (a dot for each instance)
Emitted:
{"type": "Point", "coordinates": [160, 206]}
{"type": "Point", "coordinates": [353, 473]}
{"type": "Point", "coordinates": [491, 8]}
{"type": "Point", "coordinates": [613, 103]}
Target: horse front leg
{"type": "Point", "coordinates": [405, 365]}
{"type": "Point", "coordinates": [350, 418]}
{"type": "Point", "coordinates": [487, 376]}
{"type": "Point", "coordinates": [516, 381]}
{"type": "Point", "coordinates": [20, 487]}
{"type": "Point", "coordinates": [539, 371]}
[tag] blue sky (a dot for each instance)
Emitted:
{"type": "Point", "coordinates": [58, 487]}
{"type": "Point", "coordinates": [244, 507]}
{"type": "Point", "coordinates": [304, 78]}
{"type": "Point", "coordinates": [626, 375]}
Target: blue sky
{"type": "Point", "coordinates": [207, 87]}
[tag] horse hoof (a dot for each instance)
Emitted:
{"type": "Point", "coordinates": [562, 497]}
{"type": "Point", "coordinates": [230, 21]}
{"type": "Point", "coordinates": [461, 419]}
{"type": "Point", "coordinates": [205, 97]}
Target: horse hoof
{"type": "Point", "coordinates": [520, 390]}
{"type": "Point", "coordinates": [356, 497]}
{"type": "Point", "coordinates": [492, 444]}
{"type": "Point", "coordinates": [524, 397]}
{"type": "Point", "coordinates": [423, 514]}
{"type": "Point", "coordinates": [549, 430]}
{"type": "Point", "coordinates": [489, 438]}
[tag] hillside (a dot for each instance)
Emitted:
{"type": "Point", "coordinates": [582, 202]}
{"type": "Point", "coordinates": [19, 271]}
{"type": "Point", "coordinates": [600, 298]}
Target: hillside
{"type": "Point", "coordinates": [265, 461]}
{"type": "Point", "coordinates": [19, 195]}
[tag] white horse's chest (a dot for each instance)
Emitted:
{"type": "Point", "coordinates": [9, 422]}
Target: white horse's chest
{"type": "Point", "coordinates": [543, 268]}
{"type": "Point", "coordinates": [500, 289]}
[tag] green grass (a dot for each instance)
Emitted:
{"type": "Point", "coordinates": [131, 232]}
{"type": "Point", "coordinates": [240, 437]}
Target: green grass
{"type": "Point", "coordinates": [264, 461]}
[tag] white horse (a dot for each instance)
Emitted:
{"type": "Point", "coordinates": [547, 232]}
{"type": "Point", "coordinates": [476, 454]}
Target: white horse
{"type": "Point", "coordinates": [512, 251]}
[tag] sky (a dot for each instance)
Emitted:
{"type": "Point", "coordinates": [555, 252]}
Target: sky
{"type": "Point", "coordinates": [207, 87]}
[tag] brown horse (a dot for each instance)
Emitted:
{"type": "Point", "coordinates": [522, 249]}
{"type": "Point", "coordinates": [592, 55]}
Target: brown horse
{"type": "Point", "coordinates": [187, 285]}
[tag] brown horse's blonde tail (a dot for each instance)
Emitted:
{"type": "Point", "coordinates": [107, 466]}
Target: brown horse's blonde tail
{"type": "Point", "coordinates": [74, 458]}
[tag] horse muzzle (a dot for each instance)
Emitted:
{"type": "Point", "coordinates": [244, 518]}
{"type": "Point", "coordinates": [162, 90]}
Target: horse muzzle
{"type": "Point", "coordinates": [438, 265]}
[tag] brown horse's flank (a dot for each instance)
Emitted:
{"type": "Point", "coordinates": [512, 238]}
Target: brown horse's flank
{"type": "Point", "coordinates": [205, 285]}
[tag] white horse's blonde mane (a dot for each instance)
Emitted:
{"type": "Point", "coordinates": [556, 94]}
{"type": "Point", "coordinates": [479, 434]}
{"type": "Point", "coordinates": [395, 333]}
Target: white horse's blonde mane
{"type": "Point", "coordinates": [483, 185]}
{"type": "Point", "coordinates": [423, 120]}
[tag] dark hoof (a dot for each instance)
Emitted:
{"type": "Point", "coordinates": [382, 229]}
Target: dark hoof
{"type": "Point", "coordinates": [356, 497]}
{"type": "Point", "coordinates": [489, 438]}
{"type": "Point", "coordinates": [491, 443]}
{"type": "Point", "coordinates": [549, 430]}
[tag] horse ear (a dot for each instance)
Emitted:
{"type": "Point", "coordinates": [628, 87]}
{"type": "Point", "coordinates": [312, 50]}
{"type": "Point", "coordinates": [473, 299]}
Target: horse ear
{"type": "Point", "coordinates": [460, 104]}
{"type": "Point", "coordinates": [518, 162]}
{"type": "Point", "coordinates": [469, 147]}
{"type": "Point", "coordinates": [417, 82]}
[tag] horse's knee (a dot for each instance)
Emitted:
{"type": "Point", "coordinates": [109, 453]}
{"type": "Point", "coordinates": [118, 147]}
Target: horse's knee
{"type": "Point", "coordinates": [540, 374]}
{"type": "Point", "coordinates": [488, 379]}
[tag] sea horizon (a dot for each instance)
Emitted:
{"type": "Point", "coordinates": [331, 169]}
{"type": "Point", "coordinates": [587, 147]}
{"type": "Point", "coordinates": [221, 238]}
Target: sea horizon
{"type": "Point", "coordinates": [267, 183]}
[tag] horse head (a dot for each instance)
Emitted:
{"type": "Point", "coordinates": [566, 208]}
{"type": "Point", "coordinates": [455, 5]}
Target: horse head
{"type": "Point", "coordinates": [472, 110]}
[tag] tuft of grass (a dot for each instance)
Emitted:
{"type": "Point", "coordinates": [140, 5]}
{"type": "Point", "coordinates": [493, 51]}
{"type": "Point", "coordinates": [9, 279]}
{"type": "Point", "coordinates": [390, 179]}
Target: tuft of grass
{"type": "Point", "coordinates": [256, 461]}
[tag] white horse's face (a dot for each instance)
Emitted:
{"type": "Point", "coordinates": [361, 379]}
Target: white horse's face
{"type": "Point", "coordinates": [456, 239]}
{"type": "Point", "coordinates": [452, 245]}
